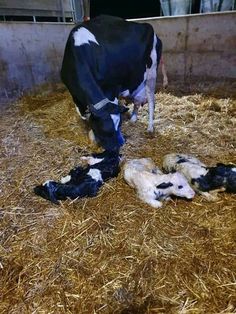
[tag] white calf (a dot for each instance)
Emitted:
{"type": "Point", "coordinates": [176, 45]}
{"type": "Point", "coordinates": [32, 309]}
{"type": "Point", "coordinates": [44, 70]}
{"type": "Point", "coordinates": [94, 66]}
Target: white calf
{"type": "Point", "coordinates": [152, 185]}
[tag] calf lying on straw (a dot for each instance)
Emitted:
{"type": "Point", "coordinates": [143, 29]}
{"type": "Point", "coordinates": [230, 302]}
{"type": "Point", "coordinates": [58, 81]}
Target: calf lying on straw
{"type": "Point", "coordinates": [82, 182]}
{"type": "Point", "coordinates": [152, 185]}
{"type": "Point", "coordinates": [202, 178]}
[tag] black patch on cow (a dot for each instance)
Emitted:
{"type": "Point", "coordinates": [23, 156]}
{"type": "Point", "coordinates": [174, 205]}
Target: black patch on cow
{"type": "Point", "coordinates": [164, 185]}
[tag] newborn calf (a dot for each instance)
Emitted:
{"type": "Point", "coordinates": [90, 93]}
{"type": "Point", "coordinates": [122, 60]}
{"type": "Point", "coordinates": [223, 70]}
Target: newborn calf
{"type": "Point", "coordinates": [220, 177]}
{"type": "Point", "coordinates": [152, 185]}
{"type": "Point", "coordinates": [82, 182]}
{"type": "Point", "coordinates": [202, 178]}
{"type": "Point", "coordinates": [192, 168]}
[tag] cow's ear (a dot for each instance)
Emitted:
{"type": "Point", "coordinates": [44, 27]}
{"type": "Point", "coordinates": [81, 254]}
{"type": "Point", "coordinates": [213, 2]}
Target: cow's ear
{"type": "Point", "coordinates": [115, 109]}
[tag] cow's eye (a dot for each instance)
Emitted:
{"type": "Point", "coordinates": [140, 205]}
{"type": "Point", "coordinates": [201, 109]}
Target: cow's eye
{"type": "Point", "coordinates": [180, 186]}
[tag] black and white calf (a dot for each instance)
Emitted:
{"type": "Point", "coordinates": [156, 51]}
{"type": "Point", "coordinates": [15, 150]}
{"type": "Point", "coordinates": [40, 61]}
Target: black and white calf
{"type": "Point", "coordinates": [202, 178]}
{"type": "Point", "coordinates": [82, 182]}
{"type": "Point", "coordinates": [152, 185]}
{"type": "Point", "coordinates": [106, 58]}
{"type": "Point", "coordinates": [191, 167]}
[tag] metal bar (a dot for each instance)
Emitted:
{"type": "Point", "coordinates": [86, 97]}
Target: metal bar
{"type": "Point", "coordinates": [72, 4]}
{"type": "Point", "coordinates": [220, 5]}
{"type": "Point", "coordinates": [62, 11]}
{"type": "Point", "coordinates": [170, 9]}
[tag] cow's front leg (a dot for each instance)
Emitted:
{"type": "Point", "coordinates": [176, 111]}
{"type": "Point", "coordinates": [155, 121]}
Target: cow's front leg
{"type": "Point", "coordinates": [134, 115]}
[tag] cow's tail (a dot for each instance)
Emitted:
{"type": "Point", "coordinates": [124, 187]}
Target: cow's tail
{"type": "Point", "coordinates": [160, 61]}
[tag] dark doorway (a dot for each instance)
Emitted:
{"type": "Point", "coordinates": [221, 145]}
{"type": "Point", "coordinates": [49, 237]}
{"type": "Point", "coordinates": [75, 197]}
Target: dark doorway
{"type": "Point", "coordinates": [125, 8]}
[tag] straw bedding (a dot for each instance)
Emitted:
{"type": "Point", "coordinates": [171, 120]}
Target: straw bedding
{"type": "Point", "coordinates": [112, 253]}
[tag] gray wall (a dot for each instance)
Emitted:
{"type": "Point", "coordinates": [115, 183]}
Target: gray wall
{"type": "Point", "coordinates": [195, 46]}
{"type": "Point", "coordinates": [199, 46]}
{"type": "Point", "coordinates": [30, 55]}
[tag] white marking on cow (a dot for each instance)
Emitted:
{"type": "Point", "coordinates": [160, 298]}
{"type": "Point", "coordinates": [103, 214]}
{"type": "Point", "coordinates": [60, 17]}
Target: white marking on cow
{"type": "Point", "coordinates": [77, 110]}
{"type": "Point", "coordinates": [95, 174]}
{"type": "Point", "coordinates": [233, 169]}
{"type": "Point", "coordinates": [139, 95]}
{"type": "Point", "coordinates": [146, 90]}
{"type": "Point", "coordinates": [65, 179]}
{"type": "Point", "coordinates": [115, 117]}
{"type": "Point", "coordinates": [125, 93]}
{"type": "Point", "coordinates": [116, 120]}
{"type": "Point", "coordinates": [83, 36]}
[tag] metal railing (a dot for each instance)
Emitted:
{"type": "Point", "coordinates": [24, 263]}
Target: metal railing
{"type": "Point", "coordinates": [46, 10]}
{"type": "Point", "coordinates": [182, 7]}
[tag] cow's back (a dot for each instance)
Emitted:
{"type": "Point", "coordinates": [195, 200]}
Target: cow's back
{"type": "Point", "coordinates": [119, 58]}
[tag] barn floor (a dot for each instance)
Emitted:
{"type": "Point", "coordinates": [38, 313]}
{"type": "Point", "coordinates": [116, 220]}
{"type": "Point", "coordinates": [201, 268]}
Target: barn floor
{"type": "Point", "coordinates": [112, 253]}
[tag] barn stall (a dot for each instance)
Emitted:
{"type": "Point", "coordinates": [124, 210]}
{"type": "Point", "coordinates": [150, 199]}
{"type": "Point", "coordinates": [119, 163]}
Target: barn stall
{"type": "Point", "coordinates": [113, 253]}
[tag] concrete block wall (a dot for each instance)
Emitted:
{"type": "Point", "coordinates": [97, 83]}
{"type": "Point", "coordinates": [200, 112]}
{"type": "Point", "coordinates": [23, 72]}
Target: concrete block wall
{"type": "Point", "coordinates": [200, 46]}
{"type": "Point", "coordinates": [195, 47]}
{"type": "Point", "coordinates": [30, 55]}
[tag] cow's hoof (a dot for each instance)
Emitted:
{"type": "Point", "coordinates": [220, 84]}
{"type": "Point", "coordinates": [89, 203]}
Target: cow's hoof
{"type": "Point", "coordinates": [150, 129]}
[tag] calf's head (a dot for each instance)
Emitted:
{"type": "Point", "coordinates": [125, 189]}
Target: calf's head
{"type": "Point", "coordinates": [181, 186]}
{"type": "Point", "coordinates": [106, 123]}
{"type": "Point", "coordinates": [176, 184]}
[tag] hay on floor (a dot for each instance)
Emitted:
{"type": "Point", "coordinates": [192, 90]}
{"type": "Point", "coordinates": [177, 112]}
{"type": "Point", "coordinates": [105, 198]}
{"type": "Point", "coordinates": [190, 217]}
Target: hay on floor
{"type": "Point", "coordinates": [113, 253]}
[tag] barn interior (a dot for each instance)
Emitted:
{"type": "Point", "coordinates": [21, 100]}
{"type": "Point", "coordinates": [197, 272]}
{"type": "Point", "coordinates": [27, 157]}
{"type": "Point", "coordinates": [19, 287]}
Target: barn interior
{"type": "Point", "coordinates": [113, 253]}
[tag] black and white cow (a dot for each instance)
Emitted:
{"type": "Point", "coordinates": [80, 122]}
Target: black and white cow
{"type": "Point", "coordinates": [82, 181]}
{"type": "Point", "coordinates": [105, 58]}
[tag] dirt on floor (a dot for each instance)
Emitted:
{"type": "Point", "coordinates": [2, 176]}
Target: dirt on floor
{"type": "Point", "coordinates": [113, 253]}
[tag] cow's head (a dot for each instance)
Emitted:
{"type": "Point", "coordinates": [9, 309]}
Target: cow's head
{"type": "Point", "coordinates": [106, 123]}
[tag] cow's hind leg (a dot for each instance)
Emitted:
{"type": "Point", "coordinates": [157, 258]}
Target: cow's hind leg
{"type": "Point", "coordinates": [150, 86]}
